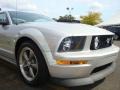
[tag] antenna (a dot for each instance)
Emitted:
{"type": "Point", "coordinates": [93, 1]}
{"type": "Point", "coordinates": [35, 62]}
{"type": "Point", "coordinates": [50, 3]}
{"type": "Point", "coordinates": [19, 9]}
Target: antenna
{"type": "Point", "coordinates": [16, 10]}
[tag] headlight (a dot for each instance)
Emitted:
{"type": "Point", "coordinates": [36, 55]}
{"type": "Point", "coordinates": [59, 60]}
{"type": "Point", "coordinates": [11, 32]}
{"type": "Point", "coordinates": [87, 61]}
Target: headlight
{"type": "Point", "coordinates": [72, 44]}
{"type": "Point", "coordinates": [67, 44]}
{"type": "Point", "coordinates": [96, 46]}
{"type": "Point", "coordinates": [101, 41]}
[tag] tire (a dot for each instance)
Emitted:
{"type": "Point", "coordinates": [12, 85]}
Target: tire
{"type": "Point", "coordinates": [33, 68]}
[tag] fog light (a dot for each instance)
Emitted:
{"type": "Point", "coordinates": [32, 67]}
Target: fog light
{"type": "Point", "coordinates": [67, 62]}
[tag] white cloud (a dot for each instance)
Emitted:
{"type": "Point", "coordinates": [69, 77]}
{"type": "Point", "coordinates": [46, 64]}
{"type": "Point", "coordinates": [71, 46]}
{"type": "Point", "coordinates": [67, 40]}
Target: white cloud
{"type": "Point", "coordinates": [72, 2]}
{"type": "Point", "coordinates": [26, 5]}
{"type": "Point", "coordinates": [21, 5]}
{"type": "Point", "coordinates": [45, 12]}
{"type": "Point", "coordinates": [83, 1]}
{"type": "Point", "coordinates": [96, 6]}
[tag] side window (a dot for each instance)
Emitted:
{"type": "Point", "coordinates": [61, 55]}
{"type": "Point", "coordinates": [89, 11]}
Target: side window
{"type": "Point", "coordinates": [3, 17]}
{"type": "Point", "coordinates": [16, 18]}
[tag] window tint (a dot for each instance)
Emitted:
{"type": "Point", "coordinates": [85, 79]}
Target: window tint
{"type": "Point", "coordinates": [23, 17]}
{"type": "Point", "coordinates": [2, 17]}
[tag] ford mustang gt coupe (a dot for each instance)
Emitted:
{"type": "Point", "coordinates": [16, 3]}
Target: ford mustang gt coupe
{"type": "Point", "coordinates": [71, 54]}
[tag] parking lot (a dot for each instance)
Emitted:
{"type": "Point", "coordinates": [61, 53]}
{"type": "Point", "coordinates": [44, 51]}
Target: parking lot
{"type": "Point", "coordinates": [10, 80]}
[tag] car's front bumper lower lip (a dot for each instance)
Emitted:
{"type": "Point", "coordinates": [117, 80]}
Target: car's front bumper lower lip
{"type": "Point", "coordinates": [87, 80]}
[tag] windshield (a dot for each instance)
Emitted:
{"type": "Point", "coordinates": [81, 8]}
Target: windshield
{"type": "Point", "coordinates": [24, 17]}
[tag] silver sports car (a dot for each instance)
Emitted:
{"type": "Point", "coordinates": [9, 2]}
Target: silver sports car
{"type": "Point", "coordinates": [71, 54]}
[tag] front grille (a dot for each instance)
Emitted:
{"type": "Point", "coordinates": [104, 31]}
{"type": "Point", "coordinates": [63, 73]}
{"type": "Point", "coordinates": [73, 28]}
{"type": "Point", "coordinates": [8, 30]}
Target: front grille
{"type": "Point", "coordinates": [101, 68]}
{"type": "Point", "coordinates": [102, 41]}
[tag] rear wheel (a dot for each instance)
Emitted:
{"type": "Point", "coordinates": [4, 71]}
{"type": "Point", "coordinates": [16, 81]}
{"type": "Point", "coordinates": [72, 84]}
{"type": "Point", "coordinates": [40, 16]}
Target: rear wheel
{"type": "Point", "coordinates": [32, 64]}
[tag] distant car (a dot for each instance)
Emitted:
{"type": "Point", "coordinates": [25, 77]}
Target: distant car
{"type": "Point", "coordinates": [113, 28]}
{"type": "Point", "coordinates": [72, 54]}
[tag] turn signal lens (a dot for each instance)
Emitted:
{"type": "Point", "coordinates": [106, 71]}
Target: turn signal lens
{"type": "Point", "coordinates": [66, 62]}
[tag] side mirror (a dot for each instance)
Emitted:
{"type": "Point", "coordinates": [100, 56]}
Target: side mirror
{"type": "Point", "coordinates": [3, 19]}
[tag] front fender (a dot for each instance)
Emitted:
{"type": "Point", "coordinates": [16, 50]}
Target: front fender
{"type": "Point", "coordinates": [40, 41]}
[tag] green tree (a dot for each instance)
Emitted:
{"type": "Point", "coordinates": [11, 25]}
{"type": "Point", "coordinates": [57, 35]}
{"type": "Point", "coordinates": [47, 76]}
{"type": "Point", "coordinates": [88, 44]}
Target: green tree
{"type": "Point", "coordinates": [66, 18]}
{"type": "Point", "coordinates": [92, 18]}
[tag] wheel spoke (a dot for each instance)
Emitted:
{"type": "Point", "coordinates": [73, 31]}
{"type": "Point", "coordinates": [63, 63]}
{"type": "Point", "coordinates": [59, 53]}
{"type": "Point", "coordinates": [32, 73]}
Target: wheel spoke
{"type": "Point", "coordinates": [25, 65]}
{"type": "Point", "coordinates": [31, 72]}
{"type": "Point", "coordinates": [31, 55]}
{"type": "Point", "coordinates": [34, 66]}
{"type": "Point", "coordinates": [21, 66]}
{"type": "Point", "coordinates": [26, 56]}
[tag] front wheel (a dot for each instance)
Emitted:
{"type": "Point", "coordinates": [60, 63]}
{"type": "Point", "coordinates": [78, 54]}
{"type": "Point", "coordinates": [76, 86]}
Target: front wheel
{"type": "Point", "coordinates": [32, 65]}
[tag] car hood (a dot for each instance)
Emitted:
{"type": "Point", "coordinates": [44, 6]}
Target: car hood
{"type": "Point", "coordinates": [69, 28]}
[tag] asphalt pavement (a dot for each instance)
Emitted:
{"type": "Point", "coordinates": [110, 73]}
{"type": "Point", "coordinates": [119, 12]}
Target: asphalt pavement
{"type": "Point", "coordinates": [10, 80]}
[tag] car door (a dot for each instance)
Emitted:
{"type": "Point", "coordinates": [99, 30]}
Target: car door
{"type": "Point", "coordinates": [5, 38]}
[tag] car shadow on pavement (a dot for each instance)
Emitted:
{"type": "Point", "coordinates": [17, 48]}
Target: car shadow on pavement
{"type": "Point", "coordinates": [11, 80]}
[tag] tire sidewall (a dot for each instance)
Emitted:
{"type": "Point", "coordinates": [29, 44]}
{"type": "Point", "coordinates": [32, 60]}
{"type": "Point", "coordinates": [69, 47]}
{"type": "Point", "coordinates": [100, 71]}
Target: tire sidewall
{"type": "Point", "coordinates": [42, 75]}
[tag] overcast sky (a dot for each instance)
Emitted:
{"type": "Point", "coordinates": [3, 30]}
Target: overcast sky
{"type": "Point", "coordinates": [56, 8]}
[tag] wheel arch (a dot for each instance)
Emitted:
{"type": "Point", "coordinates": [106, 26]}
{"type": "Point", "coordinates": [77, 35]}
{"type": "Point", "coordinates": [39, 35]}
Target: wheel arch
{"type": "Point", "coordinates": [19, 42]}
{"type": "Point", "coordinates": [38, 38]}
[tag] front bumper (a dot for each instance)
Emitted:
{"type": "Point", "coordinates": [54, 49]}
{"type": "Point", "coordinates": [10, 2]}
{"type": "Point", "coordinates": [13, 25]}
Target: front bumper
{"type": "Point", "coordinates": [75, 75]}
{"type": "Point", "coordinates": [86, 80]}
